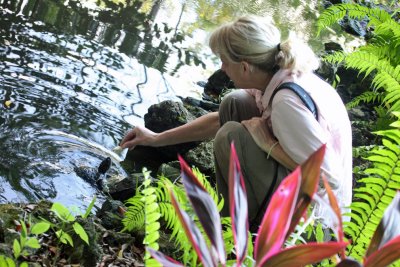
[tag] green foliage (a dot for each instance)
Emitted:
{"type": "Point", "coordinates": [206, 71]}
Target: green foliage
{"type": "Point", "coordinates": [64, 225]}
{"type": "Point", "coordinates": [152, 215]}
{"type": "Point", "coordinates": [337, 12]}
{"type": "Point", "coordinates": [9, 262]}
{"type": "Point", "coordinates": [378, 58]}
{"type": "Point", "coordinates": [68, 221]}
{"type": "Point", "coordinates": [375, 192]}
{"type": "Point", "coordinates": [21, 246]}
{"type": "Point", "coordinates": [366, 97]}
{"type": "Point", "coordinates": [135, 218]}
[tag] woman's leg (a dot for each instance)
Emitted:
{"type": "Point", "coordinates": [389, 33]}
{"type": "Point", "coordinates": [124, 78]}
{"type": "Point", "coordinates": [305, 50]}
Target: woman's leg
{"type": "Point", "coordinates": [258, 171]}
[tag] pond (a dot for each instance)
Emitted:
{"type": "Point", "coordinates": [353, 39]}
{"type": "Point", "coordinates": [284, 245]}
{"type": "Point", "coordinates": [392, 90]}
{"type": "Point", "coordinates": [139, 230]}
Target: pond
{"type": "Point", "coordinates": [76, 75]}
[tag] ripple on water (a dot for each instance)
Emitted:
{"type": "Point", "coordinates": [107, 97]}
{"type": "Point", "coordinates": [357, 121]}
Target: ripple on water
{"type": "Point", "coordinates": [40, 165]}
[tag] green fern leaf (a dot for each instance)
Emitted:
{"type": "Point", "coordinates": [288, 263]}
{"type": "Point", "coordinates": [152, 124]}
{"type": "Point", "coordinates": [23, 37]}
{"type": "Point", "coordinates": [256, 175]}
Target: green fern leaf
{"type": "Point", "coordinates": [375, 193]}
{"type": "Point", "coordinates": [152, 214]}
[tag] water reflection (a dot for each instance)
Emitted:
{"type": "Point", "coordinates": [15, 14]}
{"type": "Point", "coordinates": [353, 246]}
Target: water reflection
{"type": "Point", "coordinates": [60, 69]}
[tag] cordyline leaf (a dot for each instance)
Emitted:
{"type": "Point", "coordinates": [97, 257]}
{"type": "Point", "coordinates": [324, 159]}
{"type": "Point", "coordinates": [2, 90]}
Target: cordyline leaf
{"type": "Point", "coordinates": [205, 209]}
{"type": "Point", "coordinates": [336, 209]}
{"type": "Point", "coordinates": [385, 255]}
{"type": "Point", "coordinates": [163, 259]}
{"type": "Point", "coordinates": [193, 233]}
{"type": "Point", "coordinates": [310, 171]}
{"type": "Point", "coordinates": [276, 221]}
{"type": "Point", "coordinates": [238, 207]}
{"type": "Point", "coordinates": [303, 255]}
{"type": "Point", "coordinates": [388, 227]}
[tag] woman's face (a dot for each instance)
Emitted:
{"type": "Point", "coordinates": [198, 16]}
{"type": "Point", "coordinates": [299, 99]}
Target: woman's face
{"type": "Point", "coordinates": [232, 69]}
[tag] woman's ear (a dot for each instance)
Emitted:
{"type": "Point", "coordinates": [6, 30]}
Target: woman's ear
{"type": "Point", "coordinates": [246, 67]}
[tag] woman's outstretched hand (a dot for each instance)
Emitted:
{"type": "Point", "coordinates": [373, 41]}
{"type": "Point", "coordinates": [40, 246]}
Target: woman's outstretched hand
{"type": "Point", "coordinates": [139, 136]}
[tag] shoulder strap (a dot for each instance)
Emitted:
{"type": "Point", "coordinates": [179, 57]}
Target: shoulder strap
{"type": "Point", "coordinates": [301, 93]}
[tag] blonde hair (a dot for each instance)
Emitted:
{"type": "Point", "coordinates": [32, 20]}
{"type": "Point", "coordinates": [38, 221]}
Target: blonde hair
{"type": "Point", "coordinates": [257, 41]}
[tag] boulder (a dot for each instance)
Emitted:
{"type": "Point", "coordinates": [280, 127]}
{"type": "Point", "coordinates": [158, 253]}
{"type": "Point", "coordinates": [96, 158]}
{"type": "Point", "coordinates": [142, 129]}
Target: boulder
{"type": "Point", "coordinates": [167, 115]}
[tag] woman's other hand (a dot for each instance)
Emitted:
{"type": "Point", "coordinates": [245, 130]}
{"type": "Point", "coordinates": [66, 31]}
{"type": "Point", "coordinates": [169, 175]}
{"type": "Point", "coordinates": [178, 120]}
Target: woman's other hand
{"type": "Point", "coordinates": [261, 133]}
{"type": "Point", "coordinates": [139, 136]}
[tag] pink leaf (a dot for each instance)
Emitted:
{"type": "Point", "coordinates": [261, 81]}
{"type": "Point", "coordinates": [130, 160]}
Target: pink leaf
{"type": "Point", "coordinates": [388, 227]}
{"type": "Point", "coordinates": [238, 207]}
{"type": "Point", "coordinates": [336, 209]}
{"type": "Point", "coordinates": [310, 173]}
{"type": "Point", "coordinates": [276, 221]}
{"type": "Point", "coordinates": [205, 208]}
{"type": "Point", "coordinates": [385, 255]}
{"type": "Point", "coordinates": [303, 255]}
{"type": "Point", "coordinates": [193, 234]}
{"type": "Point", "coordinates": [163, 259]}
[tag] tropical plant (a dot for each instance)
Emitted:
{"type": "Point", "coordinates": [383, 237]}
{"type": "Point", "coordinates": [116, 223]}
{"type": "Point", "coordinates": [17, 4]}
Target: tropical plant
{"type": "Point", "coordinates": [378, 58]}
{"type": "Point", "coordinates": [29, 233]}
{"type": "Point", "coordinates": [135, 218]}
{"type": "Point", "coordinates": [67, 223]}
{"type": "Point", "coordinates": [27, 240]}
{"type": "Point", "coordinates": [287, 206]}
{"type": "Point", "coordinates": [152, 214]}
{"type": "Point", "coordinates": [377, 189]}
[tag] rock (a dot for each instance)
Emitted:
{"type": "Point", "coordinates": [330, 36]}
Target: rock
{"type": "Point", "coordinates": [125, 188]}
{"type": "Point", "coordinates": [202, 157]}
{"type": "Point", "coordinates": [170, 170]}
{"type": "Point", "coordinates": [117, 238]}
{"type": "Point", "coordinates": [110, 214]}
{"type": "Point", "coordinates": [167, 115]}
{"type": "Point", "coordinates": [332, 47]}
{"type": "Point", "coordinates": [217, 82]}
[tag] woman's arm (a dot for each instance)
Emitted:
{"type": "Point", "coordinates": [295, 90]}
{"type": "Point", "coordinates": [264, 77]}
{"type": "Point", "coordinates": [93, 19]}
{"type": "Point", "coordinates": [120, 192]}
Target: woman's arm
{"type": "Point", "coordinates": [200, 129]}
{"type": "Point", "coordinates": [263, 137]}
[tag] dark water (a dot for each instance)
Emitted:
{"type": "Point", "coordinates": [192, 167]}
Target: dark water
{"type": "Point", "coordinates": [75, 75]}
{"type": "Point", "coordinates": [72, 81]}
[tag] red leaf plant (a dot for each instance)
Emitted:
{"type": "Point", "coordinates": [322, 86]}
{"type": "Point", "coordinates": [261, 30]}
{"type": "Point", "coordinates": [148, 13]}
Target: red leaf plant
{"type": "Point", "coordinates": [287, 205]}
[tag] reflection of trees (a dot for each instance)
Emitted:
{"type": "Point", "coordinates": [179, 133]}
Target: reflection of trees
{"type": "Point", "coordinates": [119, 24]}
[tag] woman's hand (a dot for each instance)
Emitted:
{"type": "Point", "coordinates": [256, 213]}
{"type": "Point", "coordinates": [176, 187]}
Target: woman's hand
{"type": "Point", "coordinates": [139, 136]}
{"type": "Point", "coordinates": [260, 130]}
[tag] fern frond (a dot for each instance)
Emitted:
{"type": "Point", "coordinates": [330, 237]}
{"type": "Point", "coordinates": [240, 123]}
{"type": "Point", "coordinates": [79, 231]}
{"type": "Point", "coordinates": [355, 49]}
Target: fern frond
{"type": "Point", "coordinates": [152, 216]}
{"type": "Point", "coordinates": [335, 58]}
{"type": "Point", "coordinates": [367, 62]}
{"type": "Point", "coordinates": [388, 28]}
{"type": "Point", "coordinates": [366, 97]}
{"type": "Point", "coordinates": [334, 13]}
{"type": "Point", "coordinates": [134, 215]}
{"type": "Point", "coordinates": [376, 193]}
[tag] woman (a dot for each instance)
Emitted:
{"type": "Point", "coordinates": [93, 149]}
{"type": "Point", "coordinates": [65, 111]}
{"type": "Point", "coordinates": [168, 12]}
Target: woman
{"type": "Point", "coordinates": [271, 137]}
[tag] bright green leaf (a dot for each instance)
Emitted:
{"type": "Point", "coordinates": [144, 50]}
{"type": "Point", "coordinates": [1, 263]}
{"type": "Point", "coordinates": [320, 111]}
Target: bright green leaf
{"type": "Point", "coordinates": [62, 212]}
{"type": "Point", "coordinates": [40, 228]}
{"type": "Point", "coordinates": [32, 243]}
{"type": "Point", "coordinates": [64, 237]}
{"type": "Point", "coordinates": [89, 209]}
{"type": "Point", "coordinates": [81, 232]}
{"type": "Point", "coordinates": [16, 248]}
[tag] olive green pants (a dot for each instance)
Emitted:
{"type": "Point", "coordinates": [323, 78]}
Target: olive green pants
{"type": "Point", "coordinates": [258, 171]}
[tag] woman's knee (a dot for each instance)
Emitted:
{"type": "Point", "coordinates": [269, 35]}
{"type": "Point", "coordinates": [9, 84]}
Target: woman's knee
{"type": "Point", "coordinates": [226, 134]}
{"type": "Point", "coordinates": [237, 106]}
